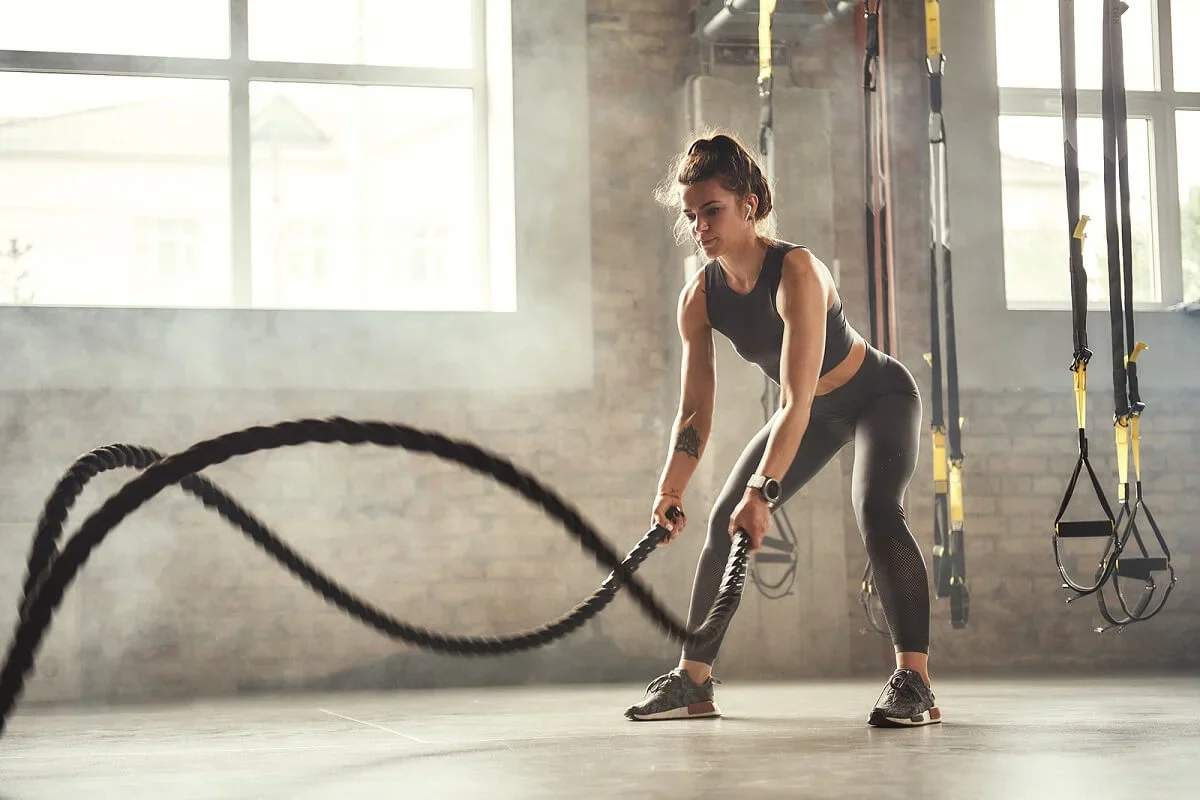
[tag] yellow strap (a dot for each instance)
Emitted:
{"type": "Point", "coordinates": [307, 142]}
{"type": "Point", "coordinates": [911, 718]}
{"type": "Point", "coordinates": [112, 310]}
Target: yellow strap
{"type": "Point", "coordinates": [1081, 369]}
{"type": "Point", "coordinates": [1081, 395]}
{"type": "Point", "coordinates": [1080, 227]}
{"type": "Point", "coordinates": [939, 461]}
{"type": "Point", "coordinates": [933, 29]}
{"type": "Point", "coordinates": [1121, 426]}
{"type": "Point", "coordinates": [765, 9]}
{"type": "Point", "coordinates": [1135, 439]}
{"type": "Point", "coordinates": [1135, 442]}
{"type": "Point", "coordinates": [956, 495]}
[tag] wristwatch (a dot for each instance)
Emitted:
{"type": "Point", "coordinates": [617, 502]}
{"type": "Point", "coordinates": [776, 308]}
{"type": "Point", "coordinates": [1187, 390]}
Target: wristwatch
{"type": "Point", "coordinates": [767, 487]}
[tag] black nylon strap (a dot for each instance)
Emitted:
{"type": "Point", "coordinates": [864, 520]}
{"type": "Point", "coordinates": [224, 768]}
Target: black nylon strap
{"type": "Point", "coordinates": [954, 428]}
{"type": "Point", "coordinates": [1111, 125]}
{"type": "Point", "coordinates": [937, 134]}
{"type": "Point", "coordinates": [1070, 117]}
{"type": "Point", "coordinates": [1121, 121]}
{"type": "Point", "coordinates": [880, 290]}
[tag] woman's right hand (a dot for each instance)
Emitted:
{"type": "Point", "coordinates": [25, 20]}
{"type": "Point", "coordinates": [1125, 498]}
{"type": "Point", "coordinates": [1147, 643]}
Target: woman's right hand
{"type": "Point", "coordinates": [674, 524]}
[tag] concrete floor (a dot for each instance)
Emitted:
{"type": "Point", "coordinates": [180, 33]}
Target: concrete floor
{"type": "Point", "coordinates": [1088, 738]}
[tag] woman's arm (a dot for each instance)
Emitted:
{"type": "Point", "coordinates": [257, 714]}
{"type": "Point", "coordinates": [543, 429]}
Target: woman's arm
{"type": "Point", "coordinates": [697, 391]}
{"type": "Point", "coordinates": [803, 304]}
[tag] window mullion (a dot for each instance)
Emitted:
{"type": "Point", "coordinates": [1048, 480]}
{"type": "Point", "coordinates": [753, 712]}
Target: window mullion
{"type": "Point", "coordinates": [480, 114]}
{"type": "Point", "coordinates": [1046, 102]}
{"type": "Point", "coordinates": [1166, 196]}
{"type": "Point", "coordinates": [1165, 46]}
{"type": "Point", "coordinates": [240, 205]}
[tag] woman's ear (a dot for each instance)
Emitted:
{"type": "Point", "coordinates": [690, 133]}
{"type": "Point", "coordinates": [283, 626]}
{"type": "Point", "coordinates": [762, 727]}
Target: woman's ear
{"type": "Point", "coordinates": [751, 206]}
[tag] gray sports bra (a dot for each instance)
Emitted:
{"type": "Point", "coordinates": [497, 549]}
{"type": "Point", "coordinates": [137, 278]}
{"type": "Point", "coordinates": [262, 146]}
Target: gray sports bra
{"type": "Point", "coordinates": [752, 323]}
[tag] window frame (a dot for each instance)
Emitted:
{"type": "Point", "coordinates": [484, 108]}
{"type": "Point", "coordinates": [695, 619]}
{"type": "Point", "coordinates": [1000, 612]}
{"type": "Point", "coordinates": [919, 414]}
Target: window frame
{"type": "Point", "coordinates": [1159, 107]}
{"type": "Point", "coordinates": [239, 71]}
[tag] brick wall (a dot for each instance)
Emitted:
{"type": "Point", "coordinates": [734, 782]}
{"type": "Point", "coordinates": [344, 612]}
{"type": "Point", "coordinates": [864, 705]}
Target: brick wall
{"type": "Point", "coordinates": [1021, 448]}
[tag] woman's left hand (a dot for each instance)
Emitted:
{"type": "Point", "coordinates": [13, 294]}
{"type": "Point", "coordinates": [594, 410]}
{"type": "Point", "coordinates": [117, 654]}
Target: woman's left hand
{"type": "Point", "coordinates": [752, 516]}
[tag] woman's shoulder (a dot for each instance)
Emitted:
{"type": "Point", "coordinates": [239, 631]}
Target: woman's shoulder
{"type": "Point", "coordinates": [785, 247]}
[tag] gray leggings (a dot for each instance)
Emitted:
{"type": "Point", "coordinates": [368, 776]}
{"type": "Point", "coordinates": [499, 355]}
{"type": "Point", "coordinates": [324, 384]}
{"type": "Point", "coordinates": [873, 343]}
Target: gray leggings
{"type": "Point", "coordinates": [879, 409]}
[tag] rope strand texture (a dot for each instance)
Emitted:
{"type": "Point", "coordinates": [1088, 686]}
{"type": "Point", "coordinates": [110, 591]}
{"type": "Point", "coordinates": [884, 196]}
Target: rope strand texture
{"type": "Point", "coordinates": [51, 570]}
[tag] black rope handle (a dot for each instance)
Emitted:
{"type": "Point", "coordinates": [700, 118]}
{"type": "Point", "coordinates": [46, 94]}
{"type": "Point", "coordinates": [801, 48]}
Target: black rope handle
{"type": "Point", "coordinates": [50, 571]}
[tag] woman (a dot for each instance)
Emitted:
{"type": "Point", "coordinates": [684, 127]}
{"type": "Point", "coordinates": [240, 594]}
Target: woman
{"type": "Point", "coordinates": [778, 306]}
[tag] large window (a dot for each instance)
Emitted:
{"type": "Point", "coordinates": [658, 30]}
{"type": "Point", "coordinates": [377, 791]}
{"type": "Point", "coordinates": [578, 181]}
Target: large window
{"type": "Point", "coordinates": [291, 154]}
{"type": "Point", "coordinates": [1161, 71]}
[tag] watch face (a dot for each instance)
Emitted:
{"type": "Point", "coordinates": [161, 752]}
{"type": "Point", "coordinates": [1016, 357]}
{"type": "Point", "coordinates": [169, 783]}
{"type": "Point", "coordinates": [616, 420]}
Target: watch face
{"type": "Point", "coordinates": [771, 490]}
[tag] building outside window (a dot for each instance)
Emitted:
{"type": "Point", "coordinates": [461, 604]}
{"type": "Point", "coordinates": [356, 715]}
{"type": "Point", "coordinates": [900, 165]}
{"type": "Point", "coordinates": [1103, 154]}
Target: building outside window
{"type": "Point", "coordinates": [1162, 76]}
{"type": "Point", "coordinates": [247, 154]}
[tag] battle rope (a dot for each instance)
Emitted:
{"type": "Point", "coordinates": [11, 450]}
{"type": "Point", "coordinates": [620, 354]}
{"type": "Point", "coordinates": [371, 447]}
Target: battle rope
{"type": "Point", "coordinates": [1128, 401]}
{"type": "Point", "coordinates": [785, 550]}
{"type": "Point", "coordinates": [1076, 225]}
{"type": "Point", "coordinates": [51, 570]}
{"type": "Point", "coordinates": [949, 557]}
{"type": "Point", "coordinates": [881, 303]}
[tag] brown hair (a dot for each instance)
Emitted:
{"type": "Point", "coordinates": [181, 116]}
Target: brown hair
{"type": "Point", "coordinates": [721, 157]}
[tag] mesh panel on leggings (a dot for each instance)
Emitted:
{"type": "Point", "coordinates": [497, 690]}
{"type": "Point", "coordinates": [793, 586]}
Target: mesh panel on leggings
{"type": "Point", "coordinates": [887, 438]}
{"type": "Point", "coordinates": [901, 578]}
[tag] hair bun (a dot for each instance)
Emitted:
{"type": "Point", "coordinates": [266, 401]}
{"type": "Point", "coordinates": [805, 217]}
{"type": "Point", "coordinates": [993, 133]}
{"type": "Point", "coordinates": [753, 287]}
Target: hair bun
{"type": "Point", "coordinates": [723, 157]}
{"type": "Point", "coordinates": [723, 142]}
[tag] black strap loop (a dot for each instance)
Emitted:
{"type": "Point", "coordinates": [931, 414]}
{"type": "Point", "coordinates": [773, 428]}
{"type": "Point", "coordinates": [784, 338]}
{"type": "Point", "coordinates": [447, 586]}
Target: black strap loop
{"type": "Point", "coordinates": [1076, 224]}
{"type": "Point", "coordinates": [1128, 403]}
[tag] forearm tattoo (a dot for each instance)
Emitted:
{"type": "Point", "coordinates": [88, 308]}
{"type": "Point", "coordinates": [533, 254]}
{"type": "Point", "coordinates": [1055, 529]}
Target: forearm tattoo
{"type": "Point", "coordinates": [689, 442]}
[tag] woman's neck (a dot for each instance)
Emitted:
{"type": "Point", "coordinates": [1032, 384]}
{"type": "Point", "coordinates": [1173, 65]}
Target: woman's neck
{"type": "Point", "coordinates": [744, 264]}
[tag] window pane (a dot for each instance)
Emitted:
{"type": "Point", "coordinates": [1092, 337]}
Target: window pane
{"type": "Point", "coordinates": [1185, 21]}
{"type": "Point", "coordinates": [197, 28]}
{"type": "Point", "coordinates": [1027, 53]}
{"type": "Point", "coordinates": [1034, 203]}
{"type": "Point", "coordinates": [115, 191]}
{"type": "Point", "coordinates": [364, 198]}
{"type": "Point", "coordinates": [1188, 130]}
{"type": "Point", "coordinates": [413, 33]}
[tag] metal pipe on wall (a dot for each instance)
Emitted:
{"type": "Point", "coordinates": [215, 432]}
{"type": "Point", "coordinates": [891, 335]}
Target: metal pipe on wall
{"type": "Point", "coordinates": [836, 10]}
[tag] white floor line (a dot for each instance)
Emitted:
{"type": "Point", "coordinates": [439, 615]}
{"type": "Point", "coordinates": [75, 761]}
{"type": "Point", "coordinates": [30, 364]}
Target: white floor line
{"type": "Point", "coordinates": [373, 725]}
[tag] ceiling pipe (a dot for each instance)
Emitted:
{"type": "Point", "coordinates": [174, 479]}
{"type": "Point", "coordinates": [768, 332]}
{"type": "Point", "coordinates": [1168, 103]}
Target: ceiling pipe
{"type": "Point", "coordinates": [836, 10]}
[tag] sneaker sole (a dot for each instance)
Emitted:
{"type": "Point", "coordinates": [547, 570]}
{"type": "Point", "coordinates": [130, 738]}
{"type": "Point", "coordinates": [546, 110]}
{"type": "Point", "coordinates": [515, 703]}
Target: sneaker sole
{"type": "Point", "coordinates": [880, 720]}
{"type": "Point", "coordinates": [693, 711]}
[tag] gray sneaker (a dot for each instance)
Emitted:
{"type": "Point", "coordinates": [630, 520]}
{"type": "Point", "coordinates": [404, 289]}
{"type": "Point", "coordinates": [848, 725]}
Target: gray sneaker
{"type": "Point", "coordinates": [675, 696]}
{"type": "Point", "coordinates": [906, 702]}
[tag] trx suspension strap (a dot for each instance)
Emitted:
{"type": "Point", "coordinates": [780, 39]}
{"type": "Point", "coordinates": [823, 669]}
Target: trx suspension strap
{"type": "Point", "coordinates": [766, 85]}
{"type": "Point", "coordinates": [1128, 404]}
{"type": "Point", "coordinates": [880, 291]}
{"type": "Point", "coordinates": [774, 551]}
{"type": "Point", "coordinates": [1106, 527]}
{"type": "Point", "coordinates": [949, 559]}
{"type": "Point", "coordinates": [881, 300]}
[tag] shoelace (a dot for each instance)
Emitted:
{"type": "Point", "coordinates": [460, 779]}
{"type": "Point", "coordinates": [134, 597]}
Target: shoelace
{"type": "Point", "coordinates": [898, 687]}
{"type": "Point", "coordinates": [663, 680]}
{"type": "Point", "coordinates": [671, 677]}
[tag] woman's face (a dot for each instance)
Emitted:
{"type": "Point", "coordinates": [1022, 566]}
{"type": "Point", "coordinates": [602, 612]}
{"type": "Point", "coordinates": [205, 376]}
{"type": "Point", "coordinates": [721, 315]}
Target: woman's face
{"type": "Point", "coordinates": [717, 220]}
